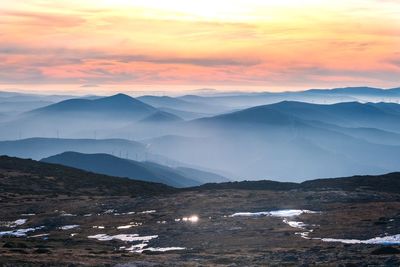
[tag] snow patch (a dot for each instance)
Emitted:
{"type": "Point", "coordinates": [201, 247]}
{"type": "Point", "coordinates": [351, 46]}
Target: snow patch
{"type": "Point", "coordinates": [159, 249]}
{"type": "Point", "coordinates": [123, 237]}
{"type": "Point", "coordinates": [20, 232]}
{"type": "Point", "coordinates": [148, 211]}
{"type": "Point", "coordinates": [385, 240]}
{"type": "Point", "coordinates": [68, 227]}
{"type": "Point", "coordinates": [294, 224]}
{"type": "Point", "coordinates": [276, 213]}
{"type": "Point", "coordinates": [67, 215]}
{"type": "Point", "coordinates": [40, 235]}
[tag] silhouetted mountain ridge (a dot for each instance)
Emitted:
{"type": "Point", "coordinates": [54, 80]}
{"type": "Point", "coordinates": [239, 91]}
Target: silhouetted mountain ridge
{"type": "Point", "coordinates": [38, 148]}
{"type": "Point", "coordinates": [28, 177]}
{"type": "Point", "coordinates": [145, 171]}
{"type": "Point", "coordinates": [21, 176]}
{"type": "Point", "coordinates": [381, 183]}
{"type": "Point", "coordinates": [161, 117]}
{"type": "Point", "coordinates": [117, 104]}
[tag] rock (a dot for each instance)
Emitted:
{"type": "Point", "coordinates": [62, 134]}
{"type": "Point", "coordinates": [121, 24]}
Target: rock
{"type": "Point", "coordinates": [385, 251]}
{"type": "Point", "coordinates": [14, 245]}
{"type": "Point", "coordinates": [290, 258]}
{"type": "Point", "coordinates": [9, 245]}
{"type": "Point", "coordinates": [380, 223]}
{"type": "Point", "coordinates": [42, 251]}
{"type": "Point", "coordinates": [392, 261]}
{"type": "Point", "coordinates": [18, 250]}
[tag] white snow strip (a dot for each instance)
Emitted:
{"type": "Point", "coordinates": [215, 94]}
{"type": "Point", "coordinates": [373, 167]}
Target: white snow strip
{"type": "Point", "coordinates": [109, 211]}
{"type": "Point", "coordinates": [130, 225]}
{"type": "Point", "coordinates": [20, 222]}
{"type": "Point", "coordinates": [68, 215]}
{"type": "Point", "coordinates": [135, 248]}
{"type": "Point", "coordinates": [13, 224]}
{"type": "Point", "coordinates": [160, 249]}
{"type": "Point", "coordinates": [41, 235]}
{"type": "Point", "coordinates": [140, 248]}
{"type": "Point", "coordinates": [28, 214]}
{"type": "Point", "coordinates": [304, 235]}
{"type": "Point", "coordinates": [294, 224]}
{"type": "Point", "coordinates": [289, 213]}
{"type": "Point", "coordinates": [148, 211]}
{"type": "Point", "coordinates": [125, 213]}
{"type": "Point", "coordinates": [125, 226]}
{"type": "Point", "coordinates": [68, 227]}
{"type": "Point", "coordinates": [276, 213]}
{"type": "Point", "coordinates": [20, 232]}
{"type": "Point", "coordinates": [250, 214]}
{"type": "Point", "coordinates": [385, 240]}
{"type": "Point", "coordinates": [123, 237]}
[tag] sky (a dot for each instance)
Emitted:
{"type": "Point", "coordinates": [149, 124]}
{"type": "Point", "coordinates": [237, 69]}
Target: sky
{"type": "Point", "coordinates": [175, 45]}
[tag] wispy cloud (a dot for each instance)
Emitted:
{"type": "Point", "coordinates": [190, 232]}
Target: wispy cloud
{"type": "Point", "coordinates": [250, 42]}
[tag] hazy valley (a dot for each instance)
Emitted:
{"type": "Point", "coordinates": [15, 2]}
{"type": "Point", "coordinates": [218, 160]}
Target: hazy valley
{"type": "Point", "coordinates": [159, 181]}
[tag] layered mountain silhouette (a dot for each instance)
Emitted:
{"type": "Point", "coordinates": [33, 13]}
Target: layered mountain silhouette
{"type": "Point", "coordinates": [182, 105]}
{"type": "Point", "coordinates": [144, 171]}
{"type": "Point", "coordinates": [379, 183]}
{"type": "Point", "coordinates": [321, 96]}
{"type": "Point", "coordinates": [79, 118]}
{"type": "Point", "coordinates": [350, 114]}
{"type": "Point", "coordinates": [41, 178]}
{"type": "Point", "coordinates": [29, 177]}
{"type": "Point", "coordinates": [284, 140]}
{"type": "Point", "coordinates": [281, 139]}
{"type": "Point", "coordinates": [116, 105]}
{"type": "Point", "coordinates": [38, 148]}
{"type": "Point", "coordinates": [161, 117]}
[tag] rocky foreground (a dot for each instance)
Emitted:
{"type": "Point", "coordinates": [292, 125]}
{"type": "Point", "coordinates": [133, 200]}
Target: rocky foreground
{"type": "Point", "coordinates": [196, 227]}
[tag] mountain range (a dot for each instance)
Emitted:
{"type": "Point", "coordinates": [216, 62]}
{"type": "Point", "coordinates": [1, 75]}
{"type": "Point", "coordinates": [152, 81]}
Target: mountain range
{"type": "Point", "coordinates": [221, 134]}
{"type": "Point", "coordinates": [277, 140]}
{"type": "Point", "coordinates": [80, 118]}
{"type": "Point", "coordinates": [29, 177]}
{"type": "Point", "coordinates": [379, 183]}
{"type": "Point", "coordinates": [144, 171]}
{"type": "Point", "coordinates": [41, 178]}
{"type": "Point", "coordinates": [317, 96]}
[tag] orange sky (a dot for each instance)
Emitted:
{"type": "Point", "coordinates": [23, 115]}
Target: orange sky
{"type": "Point", "coordinates": [120, 45]}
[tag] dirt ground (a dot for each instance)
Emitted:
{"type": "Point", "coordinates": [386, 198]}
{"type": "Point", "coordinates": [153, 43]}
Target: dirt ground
{"type": "Point", "coordinates": [196, 229]}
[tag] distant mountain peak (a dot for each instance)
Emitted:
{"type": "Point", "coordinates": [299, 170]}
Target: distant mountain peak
{"type": "Point", "coordinates": [161, 116]}
{"type": "Point", "coordinates": [116, 104]}
{"type": "Point", "coordinates": [120, 96]}
{"type": "Point", "coordinates": [111, 165]}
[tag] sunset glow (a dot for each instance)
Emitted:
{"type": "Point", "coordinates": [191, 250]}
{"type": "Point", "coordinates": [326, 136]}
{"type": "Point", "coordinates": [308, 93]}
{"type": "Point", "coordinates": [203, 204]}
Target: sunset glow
{"type": "Point", "coordinates": [225, 44]}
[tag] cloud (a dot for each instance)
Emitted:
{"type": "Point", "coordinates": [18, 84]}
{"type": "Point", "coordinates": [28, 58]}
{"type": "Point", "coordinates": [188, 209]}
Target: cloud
{"type": "Point", "coordinates": [395, 61]}
{"type": "Point", "coordinates": [186, 61]}
{"type": "Point", "coordinates": [89, 85]}
{"type": "Point", "coordinates": [51, 20]}
{"type": "Point", "coordinates": [62, 41]}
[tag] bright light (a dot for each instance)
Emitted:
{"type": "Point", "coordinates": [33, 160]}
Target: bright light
{"type": "Point", "coordinates": [193, 219]}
